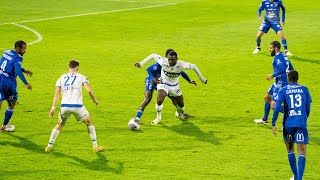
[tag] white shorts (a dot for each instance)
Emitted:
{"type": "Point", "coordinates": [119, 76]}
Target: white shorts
{"type": "Point", "coordinates": [80, 113]}
{"type": "Point", "coordinates": [170, 90]}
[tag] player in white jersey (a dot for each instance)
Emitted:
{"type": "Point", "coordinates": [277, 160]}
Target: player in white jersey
{"type": "Point", "coordinates": [70, 86]}
{"type": "Point", "coordinates": [169, 84]}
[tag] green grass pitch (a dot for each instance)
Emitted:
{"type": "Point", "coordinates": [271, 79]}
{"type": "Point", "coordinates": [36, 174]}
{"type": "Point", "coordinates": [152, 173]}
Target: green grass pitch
{"type": "Point", "coordinates": [108, 37]}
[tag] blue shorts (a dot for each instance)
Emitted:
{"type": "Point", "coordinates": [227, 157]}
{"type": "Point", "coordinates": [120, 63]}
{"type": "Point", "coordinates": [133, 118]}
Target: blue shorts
{"type": "Point", "coordinates": [265, 26]}
{"type": "Point", "coordinates": [295, 135]}
{"type": "Point", "coordinates": [8, 89]}
{"type": "Point", "coordinates": [273, 91]}
{"type": "Point", "coordinates": [149, 85]}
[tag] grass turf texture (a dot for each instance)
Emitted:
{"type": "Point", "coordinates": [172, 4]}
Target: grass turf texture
{"type": "Point", "coordinates": [220, 142]}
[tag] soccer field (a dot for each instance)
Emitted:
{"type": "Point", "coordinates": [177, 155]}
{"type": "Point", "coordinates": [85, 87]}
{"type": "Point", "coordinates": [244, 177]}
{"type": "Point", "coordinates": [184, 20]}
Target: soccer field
{"type": "Point", "coordinates": [107, 37]}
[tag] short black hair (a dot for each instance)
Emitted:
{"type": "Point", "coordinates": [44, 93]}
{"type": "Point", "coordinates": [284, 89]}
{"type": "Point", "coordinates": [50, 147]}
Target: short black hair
{"type": "Point", "coordinates": [19, 44]}
{"type": "Point", "coordinates": [293, 76]}
{"type": "Point", "coordinates": [168, 50]}
{"type": "Point", "coordinates": [276, 44]}
{"type": "Point", "coordinates": [73, 64]}
{"type": "Point", "coordinates": [172, 53]}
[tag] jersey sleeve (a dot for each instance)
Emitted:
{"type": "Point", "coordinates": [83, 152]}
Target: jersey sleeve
{"type": "Point", "coordinates": [308, 102]}
{"type": "Point", "coordinates": [281, 67]}
{"type": "Point", "coordinates": [290, 66]}
{"type": "Point", "coordinates": [152, 69]}
{"type": "Point", "coordinates": [283, 11]}
{"type": "Point", "coordinates": [18, 70]}
{"type": "Point", "coordinates": [261, 8]}
{"type": "Point", "coordinates": [58, 83]}
{"type": "Point", "coordinates": [84, 80]}
{"type": "Point", "coordinates": [278, 107]}
{"type": "Point", "coordinates": [185, 65]}
{"type": "Point", "coordinates": [185, 76]}
{"type": "Point", "coordinates": [156, 57]}
{"type": "Point", "coordinates": [196, 69]}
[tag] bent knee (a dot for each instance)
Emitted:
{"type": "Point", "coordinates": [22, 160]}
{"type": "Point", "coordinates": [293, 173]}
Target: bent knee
{"type": "Point", "coordinates": [267, 98]}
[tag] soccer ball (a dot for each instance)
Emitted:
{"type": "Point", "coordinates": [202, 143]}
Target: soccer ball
{"type": "Point", "coordinates": [133, 125]}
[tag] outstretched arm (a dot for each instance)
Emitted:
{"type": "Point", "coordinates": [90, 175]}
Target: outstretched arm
{"type": "Point", "coordinates": [147, 59]}
{"type": "Point", "coordinates": [55, 101]}
{"type": "Point", "coordinates": [186, 77]}
{"type": "Point", "coordinates": [196, 69]}
{"type": "Point", "coordinates": [88, 88]}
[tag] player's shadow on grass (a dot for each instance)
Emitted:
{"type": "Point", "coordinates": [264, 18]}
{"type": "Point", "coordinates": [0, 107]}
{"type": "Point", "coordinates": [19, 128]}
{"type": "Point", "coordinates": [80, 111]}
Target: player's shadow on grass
{"type": "Point", "coordinates": [314, 61]}
{"type": "Point", "coordinates": [189, 129]}
{"type": "Point", "coordinates": [296, 58]}
{"type": "Point", "coordinates": [100, 164]}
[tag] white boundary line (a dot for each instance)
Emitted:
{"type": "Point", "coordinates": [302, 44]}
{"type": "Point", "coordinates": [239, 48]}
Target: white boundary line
{"type": "Point", "coordinates": [76, 15]}
{"type": "Point", "coordinates": [32, 30]}
{"type": "Point", "coordinates": [93, 13]}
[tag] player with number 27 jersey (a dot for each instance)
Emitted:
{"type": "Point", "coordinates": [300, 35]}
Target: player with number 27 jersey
{"type": "Point", "coordinates": [71, 89]}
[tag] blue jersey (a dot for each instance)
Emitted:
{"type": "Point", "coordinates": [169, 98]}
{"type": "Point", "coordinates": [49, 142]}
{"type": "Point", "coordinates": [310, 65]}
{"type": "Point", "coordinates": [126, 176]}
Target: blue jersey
{"type": "Point", "coordinates": [10, 66]}
{"type": "Point", "coordinates": [154, 71]}
{"type": "Point", "coordinates": [272, 11]}
{"type": "Point", "coordinates": [297, 100]}
{"type": "Point", "coordinates": [281, 66]}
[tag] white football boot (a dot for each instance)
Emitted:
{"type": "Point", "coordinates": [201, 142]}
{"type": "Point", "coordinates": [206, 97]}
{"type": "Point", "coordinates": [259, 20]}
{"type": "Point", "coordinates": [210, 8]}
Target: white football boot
{"type": "Point", "coordinates": [256, 51]}
{"type": "Point", "coordinates": [156, 121]}
{"type": "Point", "coordinates": [288, 53]}
{"type": "Point", "coordinates": [8, 128]}
{"type": "Point", "coordinates": [260, 121]}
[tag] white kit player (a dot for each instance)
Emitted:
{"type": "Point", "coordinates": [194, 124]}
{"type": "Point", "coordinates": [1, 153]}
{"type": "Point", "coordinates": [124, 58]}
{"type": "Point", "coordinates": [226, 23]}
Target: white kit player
{"type": "Point", "coordinates": [169, 85]}
{"type": "Point", "coordinates": [70, 86]}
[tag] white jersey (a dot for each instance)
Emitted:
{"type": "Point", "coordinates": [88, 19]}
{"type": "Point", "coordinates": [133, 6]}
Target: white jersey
{"type": "Point", "coordinates": [170, 74]}
{"type": "Point", "coordinates": [71, 88]}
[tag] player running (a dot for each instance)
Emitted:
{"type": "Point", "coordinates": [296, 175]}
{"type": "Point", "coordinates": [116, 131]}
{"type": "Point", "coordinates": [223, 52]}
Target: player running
{"type": "Point", "coordinates": [169, 85]}
{"type": "Point", "coordinates": [297, 100]}
{"type": "Point", "coordinates": [281, 66]}
{"type": "Point", "coordinates": [70, 85]}
{"type": "Point", "coordinates": [10, 68]}
{"type": "Point", "coordinates": [154, 73]}
{"type": "Point", "coordinates": [272, 20]}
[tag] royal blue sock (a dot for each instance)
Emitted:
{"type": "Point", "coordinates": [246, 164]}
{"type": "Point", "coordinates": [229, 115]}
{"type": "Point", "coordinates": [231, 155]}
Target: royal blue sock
{"type": "Point", "coordinates": [258, 40]}
{"type": "Point", "coordinates": [284, 44]}
{"type": "Point", "coordinates": [281, 109]}
{"type": "Point", "coordinates": [139, 114]}
{"type": "Point", "coordinates": [7, 116]}
{"type": "Point", "coordinates": [301, 166]}
{"type": "Point", "coordinates": [293, 163]}
{"type": "Point", "coordinates": [266, 111]}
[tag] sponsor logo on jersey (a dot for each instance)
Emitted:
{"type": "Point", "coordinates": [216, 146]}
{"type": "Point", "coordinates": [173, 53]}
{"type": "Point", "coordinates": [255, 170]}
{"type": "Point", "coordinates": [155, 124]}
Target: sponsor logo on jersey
{"type": "Point", "coordinates": [294, 113]}
{"type": "Point", "coordinates": [169, 74]}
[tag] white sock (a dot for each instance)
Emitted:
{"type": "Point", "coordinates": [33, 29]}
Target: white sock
{"type": "Point", "coordinates": [180, 109]}
{"type": "Point", "coordinates": [93, 135]}
{"type": "Point", "coordinates": [159, 110]}
{"type": "Point", "coordinates": [53, 136]}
